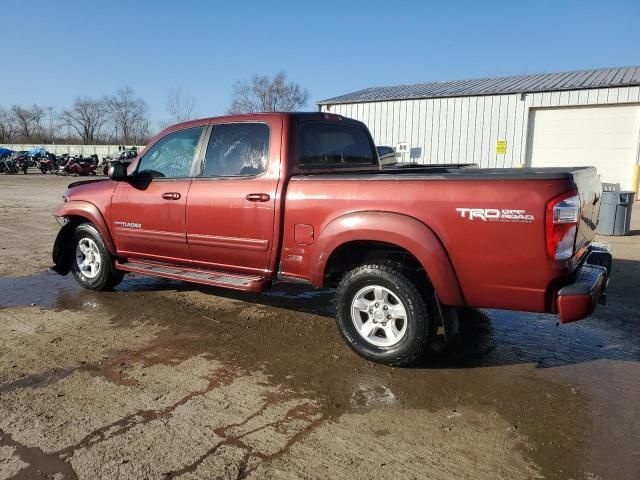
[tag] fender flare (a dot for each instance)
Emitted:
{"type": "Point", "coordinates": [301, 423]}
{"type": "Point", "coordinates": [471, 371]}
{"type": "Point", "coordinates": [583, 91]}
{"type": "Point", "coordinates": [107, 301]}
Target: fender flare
{"type": "Point", "coordinates": [395, 229]}
{"type": "Point", "coordinates": [87, 210]}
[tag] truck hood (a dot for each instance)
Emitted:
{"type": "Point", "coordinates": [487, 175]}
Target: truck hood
{"type": "Point", "coordinates": [84, 182]}
{"type": "Point", "coordinates": [96, 191]}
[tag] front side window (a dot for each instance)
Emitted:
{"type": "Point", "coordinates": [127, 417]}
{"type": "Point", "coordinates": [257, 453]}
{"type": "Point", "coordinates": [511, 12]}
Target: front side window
{"type": "Point", "coordinates": [237, 150]}
{"type": "Point", "coordinates": [329, 145]}
{"type": "Point", "coordinates": [172, 155]}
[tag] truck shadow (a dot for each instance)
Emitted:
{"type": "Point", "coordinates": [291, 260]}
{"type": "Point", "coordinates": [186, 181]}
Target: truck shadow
{"type": "Point", "coordinates": [499, 338]}
{"type": "Point", "coordinates": [487, 337]}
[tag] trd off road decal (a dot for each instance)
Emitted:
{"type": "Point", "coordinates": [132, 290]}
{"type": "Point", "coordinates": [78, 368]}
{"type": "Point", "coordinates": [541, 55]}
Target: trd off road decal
{"type": "Point", "coordinates": [128, 224]}
{"type": "Point", "coordinates": [496, 215]}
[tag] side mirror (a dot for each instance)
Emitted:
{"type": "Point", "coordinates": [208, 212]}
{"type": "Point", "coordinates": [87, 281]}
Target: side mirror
{"type": "Point", "coordinates": [117, 171]}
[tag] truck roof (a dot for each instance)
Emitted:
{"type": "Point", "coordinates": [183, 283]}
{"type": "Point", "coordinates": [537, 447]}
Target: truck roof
{"type": "Point", "coordinates": [258, 116]}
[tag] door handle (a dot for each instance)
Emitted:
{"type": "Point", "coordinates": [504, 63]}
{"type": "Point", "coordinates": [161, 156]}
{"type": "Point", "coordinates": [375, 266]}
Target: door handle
{"type": "Point", "coordinates": [258, 197]}
{"type": "Point", "coordinates": [171, 196]}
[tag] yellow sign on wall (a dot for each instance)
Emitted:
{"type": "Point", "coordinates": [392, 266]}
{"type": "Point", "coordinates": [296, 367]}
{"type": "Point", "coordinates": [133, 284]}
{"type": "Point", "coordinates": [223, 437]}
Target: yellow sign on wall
{"type": "Point", "coordinates": [501, 147]}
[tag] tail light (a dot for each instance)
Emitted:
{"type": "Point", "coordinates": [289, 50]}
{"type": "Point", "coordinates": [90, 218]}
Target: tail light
{"type": "Point", "coordinates": [563, 215]}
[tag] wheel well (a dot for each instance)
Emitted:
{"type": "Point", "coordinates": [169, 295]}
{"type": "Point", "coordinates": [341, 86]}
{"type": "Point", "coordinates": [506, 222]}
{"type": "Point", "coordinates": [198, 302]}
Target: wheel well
{"type": "Point", "coordinates": [352, 254]}
{"type": "Point", "coordinates": [62, 252]}
{"type": "Point", "coordinates": [76, 220]}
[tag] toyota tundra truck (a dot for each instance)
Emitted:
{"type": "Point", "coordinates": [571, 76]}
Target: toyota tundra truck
{"type": "Point", "coordinates": [243, 201]}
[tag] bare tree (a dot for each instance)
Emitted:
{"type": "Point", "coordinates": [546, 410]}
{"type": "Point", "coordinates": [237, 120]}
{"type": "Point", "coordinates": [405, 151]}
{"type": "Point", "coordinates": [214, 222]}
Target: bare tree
{"type": "Point", "coordinates": [265, 94]}
{"type": "Point", "coordinates": [28, 121]}
{"type": "Point", "coordinates": [141, 131]}
{"type": "Point", "coordinates": [7, 126]}
{"type": "Point", "coordinates": [129, 116]}
{"type": "Point", "coordinates": [51, 129]}
{"type": "Point", "coordinates": [86, 116]}
{"type": "Point", "coordinates": [180, 106]}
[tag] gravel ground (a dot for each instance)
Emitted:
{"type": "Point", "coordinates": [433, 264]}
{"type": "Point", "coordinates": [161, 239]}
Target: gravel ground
{"type": "Point", "coordinates": [162, 379]}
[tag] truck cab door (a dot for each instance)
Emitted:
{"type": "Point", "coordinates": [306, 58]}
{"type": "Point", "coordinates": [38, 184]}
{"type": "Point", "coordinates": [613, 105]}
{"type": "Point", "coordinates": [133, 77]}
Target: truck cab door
{"type": "Point", "coordinates": [232, 200]}
{"type": "Point", "coordinates": [148, 210]}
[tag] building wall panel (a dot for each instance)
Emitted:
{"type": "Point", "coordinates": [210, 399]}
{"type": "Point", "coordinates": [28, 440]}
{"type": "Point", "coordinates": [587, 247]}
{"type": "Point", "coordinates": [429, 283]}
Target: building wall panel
{"type": "Point", "coordinates": [466, 129]}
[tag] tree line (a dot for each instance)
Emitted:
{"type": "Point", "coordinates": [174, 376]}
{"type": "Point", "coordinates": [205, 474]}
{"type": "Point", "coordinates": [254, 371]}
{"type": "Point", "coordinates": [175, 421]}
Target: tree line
{"type": "Point", "coordinates": [123, 118]}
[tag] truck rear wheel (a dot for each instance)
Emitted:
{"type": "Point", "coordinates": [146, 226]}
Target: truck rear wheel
{"type": "Point", "coordinates": [383, 316]}
{"type": "Point", "coordinates": [91, 264]}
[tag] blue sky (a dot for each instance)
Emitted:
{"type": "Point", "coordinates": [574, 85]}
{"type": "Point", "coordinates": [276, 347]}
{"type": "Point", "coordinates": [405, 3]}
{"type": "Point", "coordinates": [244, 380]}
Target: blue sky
{"type": "Point", "coordinates": [55, 50]}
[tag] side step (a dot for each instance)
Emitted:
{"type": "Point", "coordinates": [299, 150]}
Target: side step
{"type": "Point", "coordinates": [247, 283]}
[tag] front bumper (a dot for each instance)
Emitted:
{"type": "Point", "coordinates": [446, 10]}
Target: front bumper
{"type": "Point", "coordinates": [587, 287]}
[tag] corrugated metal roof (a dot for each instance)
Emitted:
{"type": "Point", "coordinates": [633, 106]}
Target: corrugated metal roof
{"type": "Point", "coordinates": [542, 82]}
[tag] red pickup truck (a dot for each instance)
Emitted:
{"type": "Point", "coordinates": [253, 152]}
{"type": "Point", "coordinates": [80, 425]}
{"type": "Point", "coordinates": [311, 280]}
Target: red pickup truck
{"type": "Point", "coordinates": [242, 201]}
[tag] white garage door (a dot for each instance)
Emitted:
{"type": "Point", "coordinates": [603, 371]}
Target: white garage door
{"type": "Point", "coordinates": [606, 137]}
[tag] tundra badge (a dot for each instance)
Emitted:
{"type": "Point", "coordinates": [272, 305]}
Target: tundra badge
{"type": "Point", "coordinates": [127, 224]}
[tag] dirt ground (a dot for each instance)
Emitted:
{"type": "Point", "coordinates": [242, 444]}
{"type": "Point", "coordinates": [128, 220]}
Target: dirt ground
{"type": "Point", "coordinates": [164, 380]}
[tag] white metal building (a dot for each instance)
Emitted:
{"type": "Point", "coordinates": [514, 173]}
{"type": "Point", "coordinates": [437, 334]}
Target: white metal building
{"type": "Point", "coordinates": [589, 117]}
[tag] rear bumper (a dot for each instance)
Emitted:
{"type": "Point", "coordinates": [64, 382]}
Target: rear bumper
{"type": "Point", "coordinates": [587, 287]}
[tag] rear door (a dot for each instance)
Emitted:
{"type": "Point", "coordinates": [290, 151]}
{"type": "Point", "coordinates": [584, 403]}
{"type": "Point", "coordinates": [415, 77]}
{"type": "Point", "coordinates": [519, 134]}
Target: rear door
{"type": "Point", "coordinates": [232, 200]}
{"type": "Point", "coordinates": [148, 212]}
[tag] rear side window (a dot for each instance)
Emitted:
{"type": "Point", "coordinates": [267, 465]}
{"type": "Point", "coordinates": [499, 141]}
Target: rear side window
{"type": "Point", "coordinates": [172, 155]}
{"type": "Point", "coordinates": [328, 145]}
{"type": "Point", "coordinates": [237, 150]}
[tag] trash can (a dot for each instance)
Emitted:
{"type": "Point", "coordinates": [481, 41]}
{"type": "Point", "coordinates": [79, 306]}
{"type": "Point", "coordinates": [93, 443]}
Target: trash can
{"type": "Point", "coordinates": [615, 213]}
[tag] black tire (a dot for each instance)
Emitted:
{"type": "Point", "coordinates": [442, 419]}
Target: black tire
{"type": "Point", "coordinates": [106, 276]}
{"type": "Point", "coordinates": [420, 324]}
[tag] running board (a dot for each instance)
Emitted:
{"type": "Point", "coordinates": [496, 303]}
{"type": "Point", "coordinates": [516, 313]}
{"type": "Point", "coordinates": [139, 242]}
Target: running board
{"type": "Point", "coordinates": [247, 283]}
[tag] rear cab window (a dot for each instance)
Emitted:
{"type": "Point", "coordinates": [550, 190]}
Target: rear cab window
{"type": "Point", "coordinates": [323, 145]}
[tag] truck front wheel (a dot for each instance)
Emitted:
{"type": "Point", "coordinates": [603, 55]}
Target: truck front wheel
{"type": "Point", "coordinates": [383, 316]}
{"type": "Point", "coordinates": [92, 265]}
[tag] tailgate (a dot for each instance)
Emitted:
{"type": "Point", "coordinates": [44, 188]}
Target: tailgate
{"type": "Point", "coordinates": [587, 183]}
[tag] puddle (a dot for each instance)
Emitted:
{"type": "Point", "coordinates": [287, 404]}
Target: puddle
{"type": "Point", "coordinates": [39, 464]}
{"type": "Point", "coordinates": [368, 394]}
{"type": "Point", "coordinates": [42, 289]}
{"type": "Point", "coordinates": [524, 366]}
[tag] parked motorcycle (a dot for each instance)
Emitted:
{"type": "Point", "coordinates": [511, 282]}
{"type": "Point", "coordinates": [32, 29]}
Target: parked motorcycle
{"type": "Point", "coordinates": [61, 160]}
{"type": "Point", "coordinates": [9, 165]}
{"type": "Point", "coordinates": [80, 166]}
{"type": "Point", "coordinates": [22, 163]}
{"type": "Point", "coordinates": [5, 153]}
{"type": "Point", "coordinates": [35, 155]}
{"type": "Point", "coordinates": [48, 163]}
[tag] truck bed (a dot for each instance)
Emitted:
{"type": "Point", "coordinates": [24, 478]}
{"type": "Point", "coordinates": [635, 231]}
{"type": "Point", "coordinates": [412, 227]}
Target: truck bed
{"type": "Point", "coordinates": [435, 195]}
